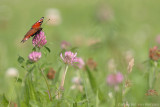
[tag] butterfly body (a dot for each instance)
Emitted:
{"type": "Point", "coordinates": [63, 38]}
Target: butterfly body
{"type": "Point", "coordinates": [36, 28]}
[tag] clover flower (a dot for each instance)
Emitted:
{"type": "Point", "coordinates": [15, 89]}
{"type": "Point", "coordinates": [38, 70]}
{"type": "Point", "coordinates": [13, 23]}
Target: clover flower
{"type": "Point", "coordinates": [54, 17]}
{"type": "Point", "coordinates": [12, 72]}
{"type": "Point", "coordinates": [154, 53]}
{"type": "Point", "coordinates": [76, 80]}
{"type": "Point", "coordinates": [80, 63]}
{"type": "Point", "coordinates": [128, 55]}
{"type": "Point", "coordinates": [158, 39]}
{"type": "Point", "coordinates": [114, 79]}
{"type": "Point", "coordinates": [69, 57]}
{"type": "Point", "coordinates": [39, 40]}
{"type": "Point", "coordinates": [111, 65]}
{"type": "Point", "coordinates": [51, 73]}
{"type": "Point", "coordinates": [151, 92]}
{"type": "Point", "coordinates": [105, 13]}
{"type": "Point", "coordinates": [91, 64]}
{"type": "Point", "coordinates": [65, 45]}
{"type": "Point", "coordinates": [34, 56]}
{"type": "Point", "coordinates": [77, 84]}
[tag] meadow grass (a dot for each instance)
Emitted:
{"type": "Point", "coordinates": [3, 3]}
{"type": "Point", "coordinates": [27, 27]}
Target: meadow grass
{"type": "Point", "coordinates": [108, 32]}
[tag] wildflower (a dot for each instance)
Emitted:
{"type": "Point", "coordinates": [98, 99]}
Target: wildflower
{"type": "Point", "coordinates": [65, 45]}
{"type": "Point", "coordinates": [80, 63]}
{"type": "Point", "coordinates": [158, 39]}
{"type": "Point", "coordinates": [54, 16]}
{"type": "Point", "coordinates": [128, 83]}
{"type": "Point", "coordinates": [76, 80]}
{"type": "Point", "coordinates": [93, 41]}
{"type": "Point", "coordinates": [128, 55]}
{"type": "Point", "coordinates": [77, 84]}
{"type": "Point", "coordinates": [39, 40]}
{"type": "Point", "coordinates": [91, 64]}
{"type": "Point", "coordinates": [114, 79]}
{"type": "Point", "coordinates": [110, 95]}
{"type": "Point", "coordinates": [79, 40]}
{"type": "Point", "coordinates": [13, 104]}
{"type": "Point", "coordinates": [51, 73]}
{"type": "Point", "coordinates": [69, 57]}
{"type": "Point", "coordinates": [126, 104]}
{"type": "Point", "coordinates": [12, 72]}
{"type": "Point", "coordinates": [151, 92]}
{"type": "Point", "coordinates": [154, 53]}
{"type": "Point", "coordinates": [105, 13]}
{"type": "Point", "coordinates": [130, 65]}
{"type": "Point", "coordinates": [58, 94]}
{"type": "Point", "coordinates": [111, 65]}
{"type": "Point", "coordinates": [34, 56]}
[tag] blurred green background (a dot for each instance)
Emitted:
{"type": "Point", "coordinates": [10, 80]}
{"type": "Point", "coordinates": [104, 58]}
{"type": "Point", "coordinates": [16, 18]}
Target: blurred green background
{"type": "Point", "coordinates": [101, 29]}
{"type": "Point", "coordinates": [131, 25]}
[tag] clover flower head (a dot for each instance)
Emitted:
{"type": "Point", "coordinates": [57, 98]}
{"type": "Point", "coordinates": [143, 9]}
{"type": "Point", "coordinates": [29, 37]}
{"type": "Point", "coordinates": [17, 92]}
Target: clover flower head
{"type": "Point", "coordinates": [65, 45]}
{"type": "Point", "coordinates": [80, 63]}
{"type": "Point", "coordinates": [39, 40]}
{"type": "Point", "coordinates": [77, 84]}
{"type": "Point", "coordinates": [34, 56]}
{"type": "Point", "coordinates": [69, 57]}
{"type": "Point", "coordinates": [158, 39]}
{"type": "Point", "coordinates": [114, 79]}
{"type": "Point", "coordinates": [154, 53]}
{"type": "Point", "coordinates": [54, 15]}
{"type": "Point", "coordinates": [12, 72]}
{"type": "Point", "coordinates": [77, 80]}
{"type": "Point", "coordinates": [91, 64]}
{"type": "Point", "coordinates": [51, 73]}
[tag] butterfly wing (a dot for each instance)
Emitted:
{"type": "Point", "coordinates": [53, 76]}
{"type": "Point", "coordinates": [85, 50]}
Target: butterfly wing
{"type": "Point", "coordinates": [30, 33]}
{"type": "Point", "coordinates": [35, 28]}
{"type": "Point", "coordinates": [38, 24]}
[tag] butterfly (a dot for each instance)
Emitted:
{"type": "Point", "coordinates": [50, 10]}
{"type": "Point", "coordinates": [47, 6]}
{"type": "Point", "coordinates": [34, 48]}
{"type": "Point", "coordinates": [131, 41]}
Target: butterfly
{"type": "Point", "coordinates": [36, 28]}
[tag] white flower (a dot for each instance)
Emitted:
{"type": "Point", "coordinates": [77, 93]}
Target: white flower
{"type": "Point", "coordinates": [12, 72]}
{"type": "Point", "coordinates": [110, 95]}
{"type": "Point", "coordinates": [54, 17]}
{"type": "Point", "coordinates": [76, 80]}
{"type": "Point", "coordinates": [77, 84]}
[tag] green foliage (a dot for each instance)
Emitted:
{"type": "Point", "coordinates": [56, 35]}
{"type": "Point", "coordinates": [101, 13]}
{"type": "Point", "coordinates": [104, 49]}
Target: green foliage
{"type": "Point", "coordinates": [20, 59]}
{"type": "Point", "coordinates": [4, 100]}
{"type": "Point", "coordinates": [28, 62]}
{"type": "Point", "coordinates": [32, 68]}
{"type": "Point", "coordinates": [34, 49]}
{"type": "Point", "coordinates": [19, 80]}
{"type": "Point", "coordinates": [47, 49]}
{"type": "Point", "coordinates": [98, 29]}
{"type": "Point", "coordinates": [74, 49]}
{"type": "Point", "coordinates": [93, 84]}
{"type": "Point", "coordinates": [57, 76]}
{"type": "Point", "coordinates": [92, 80]}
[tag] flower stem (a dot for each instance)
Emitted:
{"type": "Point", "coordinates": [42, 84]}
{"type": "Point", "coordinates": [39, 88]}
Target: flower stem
{"type": "Point", "coordinates": [13, 91]}
{"type": "Point", "coordinates": [63, 77]}
{"type": "Point", "coordinates": [152, 75]}
{"type": "Point", "coordinates": [50, 96]}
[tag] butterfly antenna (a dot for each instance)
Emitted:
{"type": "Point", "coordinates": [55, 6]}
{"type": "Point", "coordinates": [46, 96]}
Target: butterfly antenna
{"type": "Point", "coordinates": [46, 22]}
